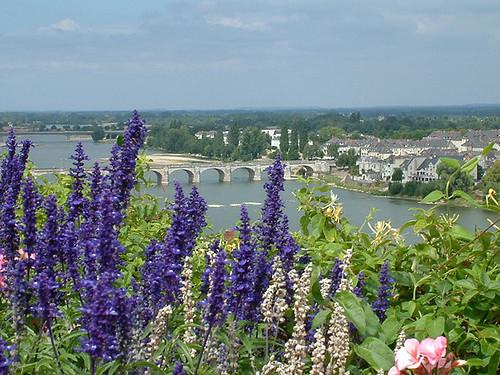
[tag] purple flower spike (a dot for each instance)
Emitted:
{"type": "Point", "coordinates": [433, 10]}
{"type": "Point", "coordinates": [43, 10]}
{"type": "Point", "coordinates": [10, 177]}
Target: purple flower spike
{"type": "Point", "coordinates": [336, 275]}
{"type": "Point", "coordinates": [241, 293]}
{"type": "Point", "coordinates": [124, 160]}
{"type": "Point", "coordinates": [5, 357]}
{"type": "Point", "coordinates": [161, 272]}
{"type": "Point", "coordinates": [384, 294]}
{"type": "Point", "coordinates": [178, 369]}
{"type": "Point", "coordinates": [216, 311]}
{"type": "Point", "coordinates": [48, 255]}
{"type": "Point", "coordinates": [100, 316]}
{"type": "Point", "coordinates": [31, 202]}
{"type": "Point", "coordinates": [359, 288]}
{"type": "Point", "coordinates": [109, 248]}
{"type": "Point", "coordinates": [76, 200]}
{"type": "Point", "coordinates": [272, 210]}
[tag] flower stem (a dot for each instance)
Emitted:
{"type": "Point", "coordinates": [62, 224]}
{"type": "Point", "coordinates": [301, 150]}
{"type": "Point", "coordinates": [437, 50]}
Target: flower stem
{"type": "Point", "coordinates": [56, 354]}
{"type": "Point", "coordinates": [205, 340]}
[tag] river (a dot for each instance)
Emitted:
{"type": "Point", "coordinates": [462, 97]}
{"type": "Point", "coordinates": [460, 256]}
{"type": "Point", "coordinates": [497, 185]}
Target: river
{"type": "Point", "coordinates": [224, 199]}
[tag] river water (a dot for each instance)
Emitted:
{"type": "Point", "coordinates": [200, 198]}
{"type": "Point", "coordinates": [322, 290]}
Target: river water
{"type": "Point", "coordinates": [224, 199]}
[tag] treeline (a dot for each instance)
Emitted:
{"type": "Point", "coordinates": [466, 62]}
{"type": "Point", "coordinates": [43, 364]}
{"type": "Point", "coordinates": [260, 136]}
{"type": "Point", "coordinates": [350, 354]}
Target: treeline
{"type": "Point", "coordinates": [177, 137]}
{"type": "Point", "coordinates": [380, 123]}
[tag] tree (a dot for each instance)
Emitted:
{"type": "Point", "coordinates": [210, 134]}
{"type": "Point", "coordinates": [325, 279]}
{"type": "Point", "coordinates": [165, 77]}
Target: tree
{"type": "Point", "coordinates": [410, 188]}
{"type": "Point", "coordinates": [98, 134]}
{"type": "Point", "coordinates": [293, 152]}
{"type": "Point", "coordinates": [491, 178]}
{"type": "Point", "coordinates": [253, 144]}
{"type": "Point", "coordinates": [327, 133]}
{"type": "Point", "coordinates": [395, 188]}
{"type": "Point", "coordinates": [458, 181]}
{"type": "Point", "coordinates": [312, 152]}
{"type": "Point", "coordinates": [284, 142]}
{"type": "Point", "coordinates": [303, 138]}
{"type": "Point", "coordinates": [397, 175]}
{"type": "Point", "coordinates": [333, 150]}
{"type": "Point", "coordinates": [218, 145]}
{"type": "Point", "coordinates": [233, 136]}
{"type": "Point", "coordinates": [347, 159]}
{"type": "Point", "coordinates": [355, 117]}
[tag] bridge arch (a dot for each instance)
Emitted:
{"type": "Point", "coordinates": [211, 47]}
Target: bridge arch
{"type": "Point", "coordinates": [190, 174]}
{"type": "Point", "coordinates": [157, 175]}
{"type": "Point", "coordinates": [303, 170]}
{"type": "Point", "coordinates": [221, 173]}
{"type": "Point", "coordinates": [249, 170]}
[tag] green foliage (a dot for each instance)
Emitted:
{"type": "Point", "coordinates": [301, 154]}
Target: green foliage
{"type": "Point", "coordinates": [233, 136]}
{"type": "Point", "coordinates": [333, 150]}
{"type": "Point", "coordinates": [253, 144]}
{"type": "Point", "coordinates": [293, 151]}
{"type": "Point", "coordinates": [397, 175]}
{"type": "Point", "coordinates": [348, 159]}
{"type": "Point", "coordinates": [98, 133]}
{"type": "Point", "coordinates": [312, 152]}
{"type": "Point", "coordinates": [446, 284]}
{"type": "Point", "coordinates": [395, 188]}
{"type": "Point", "coordinates": [457, 178]}
{"type": "Point", "coordinates": [491, 179]}
{"type": "Point", "coordinates": [284, 140]}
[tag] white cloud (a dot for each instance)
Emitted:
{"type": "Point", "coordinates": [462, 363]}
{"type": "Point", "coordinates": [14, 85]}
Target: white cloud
{"type": "Point", "coordinates": [237, 23]}
{"type": "Point", "coordinates": [64, 25]}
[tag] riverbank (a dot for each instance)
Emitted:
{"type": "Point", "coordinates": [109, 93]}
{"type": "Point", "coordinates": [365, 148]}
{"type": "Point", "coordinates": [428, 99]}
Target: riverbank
{"type": "Point", "coordinates": [373, 191]}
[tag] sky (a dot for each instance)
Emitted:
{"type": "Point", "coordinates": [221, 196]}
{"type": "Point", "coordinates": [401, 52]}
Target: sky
{"type": "Point", "coordinates": [152, 54]}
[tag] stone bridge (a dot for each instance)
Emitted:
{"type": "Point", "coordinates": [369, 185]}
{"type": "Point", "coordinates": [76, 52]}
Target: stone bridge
{"type": "Point", "coordinates": [225, 171]}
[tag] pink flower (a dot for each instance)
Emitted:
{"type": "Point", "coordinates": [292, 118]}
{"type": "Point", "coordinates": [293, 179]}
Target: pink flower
{"type": "Point", "coordinates": [2, 263]}
{"type": "Point", "coordinates": [23, 255]}
{"type": "Point", "coordinates": [425, 358]}
{"type": "Point", "coordinates": [409, 355]}
{"type": "Point", "coordinates": [434, 350]}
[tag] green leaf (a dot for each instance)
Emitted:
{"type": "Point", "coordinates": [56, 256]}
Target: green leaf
{"type": "Point", "coordinates": [390, 329]}
{"type": "Point", "coordinates": [460, 233]}
{"type": "Point", "coordinates": [317, 223]}
{"type": "Point", "coordinates": [433, 196]}
{"type": "Point", "coordinates": [450, 162]}
{"type": "Point", "coordinates": [466, 197]}
{"type": "Point", "coordinates": [321, 318]}
{"type": "Point", "coordinates": [409, 306]}
{"type": "Point", "coordinates": [304, 224]}
{"type": "Point", "coordinates": [316, 292]}
{"type": "Point", "coordinates": [376, 353]}
{"type": "Point", "coordinates": [353, 310]}
{"type": "Point", "coordinates": [487, 149]}
{"type": "Point", "coordinates": [470, 164]}
{"type": "Point", "coordinates": [119, 140]}
{"type": "Point", "coordinates": [147, 364]}
{"type": "Point", "coordinates": [330, 233]}
{"type": "Point", "coordinates": [372, 321]}
{"type": "Point", "coordinates": [435, 327]}
{"type": "Point", "coordinates": [477, 362]}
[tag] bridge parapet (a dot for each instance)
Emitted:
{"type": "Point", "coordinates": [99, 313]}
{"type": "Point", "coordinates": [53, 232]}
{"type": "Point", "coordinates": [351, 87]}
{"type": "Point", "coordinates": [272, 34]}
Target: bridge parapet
{"type": "Point", "coordinates": [225, 170]}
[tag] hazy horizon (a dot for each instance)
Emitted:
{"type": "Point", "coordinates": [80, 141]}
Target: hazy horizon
{"type": "Point", "coordinates": [234, 55]}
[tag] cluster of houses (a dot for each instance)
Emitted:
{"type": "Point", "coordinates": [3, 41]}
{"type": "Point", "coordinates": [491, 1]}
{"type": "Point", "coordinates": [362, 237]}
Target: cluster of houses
{"type": "Point", "coordinates": [417, 159]}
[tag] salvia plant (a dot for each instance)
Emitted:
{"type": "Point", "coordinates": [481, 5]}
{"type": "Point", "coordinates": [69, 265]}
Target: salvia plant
{"type": "Point", "coordinates": [97, 277]}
